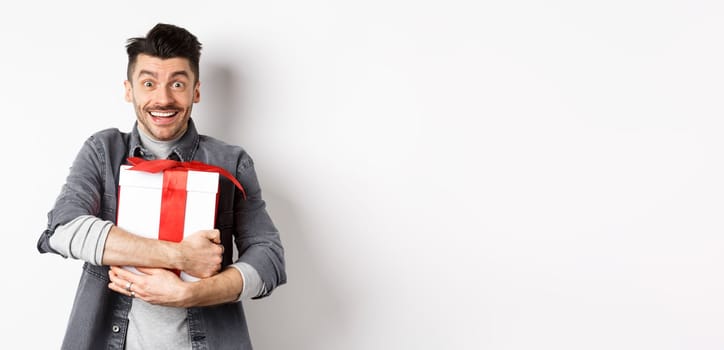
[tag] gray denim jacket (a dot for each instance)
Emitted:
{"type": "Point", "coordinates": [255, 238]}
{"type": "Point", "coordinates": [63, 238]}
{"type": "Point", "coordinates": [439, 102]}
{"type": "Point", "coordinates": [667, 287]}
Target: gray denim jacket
{"type": "Point", "coordinates": [99, 316]}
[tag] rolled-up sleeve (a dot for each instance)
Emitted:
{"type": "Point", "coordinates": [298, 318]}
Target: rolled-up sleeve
{"type": "Point", "coordinates": [83, 238]}
{"type": "Point", "coordinates": [80, 195]}
{"type": "Point", "coordinates": [258, 239]}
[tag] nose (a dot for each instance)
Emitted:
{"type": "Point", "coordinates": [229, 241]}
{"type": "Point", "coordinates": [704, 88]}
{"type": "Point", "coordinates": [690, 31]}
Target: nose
{"type": "Point", "coordinates": [164, 96]}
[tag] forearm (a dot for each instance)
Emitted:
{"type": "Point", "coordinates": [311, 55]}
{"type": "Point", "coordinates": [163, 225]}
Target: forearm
{"type": "Point", "coordinates": [223, 287]}
{"type": "Point", "coordinates": [99, 242]}
{"type": "Point", "coordinates": [125, 248]}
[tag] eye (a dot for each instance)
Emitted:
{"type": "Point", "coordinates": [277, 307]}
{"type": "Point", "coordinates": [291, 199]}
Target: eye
{"type": "Point", "coordinates": [147, 84]}
{"type": "Point", "coordinates": [178, 85]}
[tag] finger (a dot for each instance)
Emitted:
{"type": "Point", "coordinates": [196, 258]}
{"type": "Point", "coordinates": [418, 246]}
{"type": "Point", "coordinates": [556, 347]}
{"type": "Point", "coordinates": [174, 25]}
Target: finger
{"type": "Point", "coordinates": [214, 236]}
{"type": "Point", "coordinates": [150, 270]}
{"type": "Point", "coordinates": [124, 277]}
{"type": "Point", "coordinates": [146, 270]}
{"type": "Point", "coordinates": [115, 279]}
{"type": "Point", "coordinates": [120, 285]}
{"type": "Point", "coordinates": [118, 282]}
{"type": "Point", "coordinates": [124, 274]}
{"type": "Point", "coordinates": [133, 293]}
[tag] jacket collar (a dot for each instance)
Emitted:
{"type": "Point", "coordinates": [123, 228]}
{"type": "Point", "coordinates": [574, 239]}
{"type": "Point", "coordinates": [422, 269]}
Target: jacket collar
{"type": "Point", "coordinates": [184, 149]}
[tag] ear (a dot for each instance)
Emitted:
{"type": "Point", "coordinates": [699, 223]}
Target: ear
{"type": "Point", "coordinates": [129, 91]}
{"type": "Point", "coordinates": [197, 92]}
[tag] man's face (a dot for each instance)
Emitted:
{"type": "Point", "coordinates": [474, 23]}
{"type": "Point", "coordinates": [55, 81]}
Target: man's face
{"type": "Point", "coordinates": [163, 93]}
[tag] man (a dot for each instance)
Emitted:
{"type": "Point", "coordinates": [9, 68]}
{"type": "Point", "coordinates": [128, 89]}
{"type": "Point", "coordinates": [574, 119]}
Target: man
{"type": "Point", "coordinates": [117, 309]}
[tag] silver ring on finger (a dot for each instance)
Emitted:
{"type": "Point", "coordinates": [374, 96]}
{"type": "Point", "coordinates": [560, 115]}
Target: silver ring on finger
{"type": "Point", "coordinates": [133, 294]}
{"type": "Point", "coordinates": [128, 286]}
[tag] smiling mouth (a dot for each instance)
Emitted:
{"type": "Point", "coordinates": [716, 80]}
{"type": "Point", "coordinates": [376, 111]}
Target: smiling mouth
{"type": "Point", "coordinates": [167, 114]}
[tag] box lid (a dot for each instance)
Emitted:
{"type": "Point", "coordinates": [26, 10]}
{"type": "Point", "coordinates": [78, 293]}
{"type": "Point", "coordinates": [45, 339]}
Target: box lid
{"type": "Point", "coordinates": [197, 181]}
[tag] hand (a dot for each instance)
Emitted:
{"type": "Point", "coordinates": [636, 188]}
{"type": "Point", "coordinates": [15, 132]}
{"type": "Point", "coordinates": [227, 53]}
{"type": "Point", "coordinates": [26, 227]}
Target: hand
{"type": "Point", "coordinates": [201, 253]}
{"type": "Point", "coordinates": [157, 286]}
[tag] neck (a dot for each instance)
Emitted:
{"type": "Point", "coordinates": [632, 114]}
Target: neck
{"type": "Point", "coordinates": [160, 148]}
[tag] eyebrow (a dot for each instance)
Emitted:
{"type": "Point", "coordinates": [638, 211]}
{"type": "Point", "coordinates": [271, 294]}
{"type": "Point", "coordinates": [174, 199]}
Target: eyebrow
{"type": "Point", "coordinates": [155, 76]}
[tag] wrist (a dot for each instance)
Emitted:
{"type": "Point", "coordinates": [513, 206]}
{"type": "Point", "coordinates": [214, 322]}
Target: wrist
{"type": "Point", "coordinates": [188, 296]}
{"type": "Point", "coordinates": [176, 257]}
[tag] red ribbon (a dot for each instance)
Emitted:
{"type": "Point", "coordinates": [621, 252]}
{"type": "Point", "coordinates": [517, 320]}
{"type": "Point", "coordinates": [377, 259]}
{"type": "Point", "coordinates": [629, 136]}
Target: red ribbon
{"type": "Point", "coordinates": [158, 165]}
{"type": "Point", "coordinates": [173, 205]}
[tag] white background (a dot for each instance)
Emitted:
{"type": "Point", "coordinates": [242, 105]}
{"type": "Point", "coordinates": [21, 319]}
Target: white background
{"type": "Point", "coordinates": [445, 174]}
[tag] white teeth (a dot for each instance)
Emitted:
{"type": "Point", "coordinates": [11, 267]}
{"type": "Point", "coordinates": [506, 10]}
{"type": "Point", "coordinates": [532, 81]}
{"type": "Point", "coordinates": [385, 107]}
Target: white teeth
{"type": "Point", "coordinates": [162, 114]}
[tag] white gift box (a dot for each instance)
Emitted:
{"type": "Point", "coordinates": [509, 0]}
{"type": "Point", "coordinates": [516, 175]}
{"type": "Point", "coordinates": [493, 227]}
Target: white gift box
{"type": "Point", "coordinates": [142, 198]}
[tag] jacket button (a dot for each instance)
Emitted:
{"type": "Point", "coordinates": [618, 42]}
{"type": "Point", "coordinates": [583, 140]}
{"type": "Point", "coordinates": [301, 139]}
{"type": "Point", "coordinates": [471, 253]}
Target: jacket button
{"type": "Point", "coordinates": [115, 328]}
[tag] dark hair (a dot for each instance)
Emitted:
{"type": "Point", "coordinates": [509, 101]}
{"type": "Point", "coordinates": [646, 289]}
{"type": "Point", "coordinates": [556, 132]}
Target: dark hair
{"type": "Point", "coordinates": [165, 41]}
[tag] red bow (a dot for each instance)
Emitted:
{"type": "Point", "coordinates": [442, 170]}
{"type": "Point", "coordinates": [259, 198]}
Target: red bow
{"type": "Point", "coordinates": [159, 165]}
